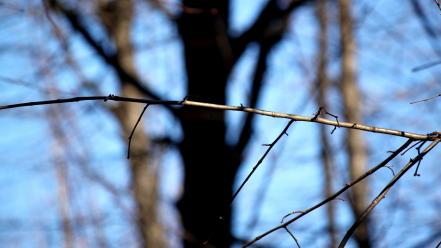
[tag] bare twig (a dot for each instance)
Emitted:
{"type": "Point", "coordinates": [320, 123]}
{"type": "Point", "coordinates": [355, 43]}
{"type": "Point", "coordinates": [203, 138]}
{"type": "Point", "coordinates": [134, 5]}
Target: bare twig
{"type": "Point", "coordinates": [133, 130]}
{"type": "Point", "coordinates": [383, 193]}
{"type": "Point", "coordinates": [426, 99]}
{"type": "Point", "coordinates": [350, 125]}
{"type": "Point", "coordinates": [292, 236]}
{"type": "Point", "coordinates": [335, 195]}
{"type": "Point", "coordinates": [270, 146]}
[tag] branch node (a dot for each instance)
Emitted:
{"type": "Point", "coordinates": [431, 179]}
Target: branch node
{"type": "Point", "coordinates": [109, 97]}
{"type": "Point", "coordinates": [183, 100]}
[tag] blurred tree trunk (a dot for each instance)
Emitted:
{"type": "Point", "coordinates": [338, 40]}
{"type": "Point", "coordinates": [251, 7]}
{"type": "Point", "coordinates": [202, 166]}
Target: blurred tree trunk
{"type": "Point", "coordinates": [209, 166]}
{"type": "Point", "coordinates": [356, 148]}
{"type": "Point", "coordinates": [322, 86]}
{"type": "Point", "coordinates": [117, 17]}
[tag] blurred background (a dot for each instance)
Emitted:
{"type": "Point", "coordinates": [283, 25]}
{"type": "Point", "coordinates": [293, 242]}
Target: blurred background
{"type": "Point", "coordinates": [65, 178]}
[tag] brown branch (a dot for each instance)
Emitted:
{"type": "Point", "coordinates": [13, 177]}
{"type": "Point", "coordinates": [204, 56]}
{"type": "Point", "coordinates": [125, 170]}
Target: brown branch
{"type": "Point", "coordinates": [383, 193]}
{"type": "Point", "coordinates": [334, 196]}
{"type": "Point", "coordinates": [319, 120]}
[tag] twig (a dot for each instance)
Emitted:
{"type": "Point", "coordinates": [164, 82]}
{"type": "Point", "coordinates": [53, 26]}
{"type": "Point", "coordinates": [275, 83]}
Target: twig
{"type": "Point", "coordinates": [426, 66]}
{"type": "Point", "coordinates": [382, 194]}
{"type": "Point", "coordinates": [410, 147]}
{"type": "Point", "coordinates": [270, 146]}
{"type": "Point", "coordinates": [292, 236]}
{"type": "Point", "coordinates": [419, 161]}
{"type": "Point", "coordinates": [335, 195]}
{"type": "Point", "coordinates": [426, 99]}
{"type": "Point", "coordinates": [133, 130]}
{"type": "Point", "coordinates": [358, 126]}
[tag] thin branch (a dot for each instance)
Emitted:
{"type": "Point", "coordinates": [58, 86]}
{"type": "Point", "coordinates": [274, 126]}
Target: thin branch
{"type": "Point", "coordinates": [292, 236]}
{"type": "Point", "coordinates": [133, 130]}
{"type": "Point", "coordinates": [426, 66]}
{"type": "Point", "coordinates": [270, 146]}
{"type": "Point", "coordinates": [383, 193]}
{"type": "Point", "coordinates": [419, 162]}
{"type": "Point", "coordinates": [426, 99]}
{"type": "Point", "coordinates": [335, 195]}
{"type": "Point", "coordinates": [350, 125]}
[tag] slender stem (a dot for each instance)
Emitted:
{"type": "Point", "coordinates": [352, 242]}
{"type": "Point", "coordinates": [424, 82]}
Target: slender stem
{"type": "Point", "coordinates": [315, 119]}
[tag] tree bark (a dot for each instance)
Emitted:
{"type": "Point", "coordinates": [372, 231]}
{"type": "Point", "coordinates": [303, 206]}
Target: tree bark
{"type": "Point", "coordinates": [356, 147]}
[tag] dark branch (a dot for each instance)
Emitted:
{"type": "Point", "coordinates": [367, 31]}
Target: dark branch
{"type": "Point", "coordinates": [269, 20]}
{"type": "Point", "coordinates": [270, 146]}
{"type": "Point", "coordinates": [335, 195]}
{"type": "Point", "coordinates": [109, 58]}
{"type": "Point", "coordinates": [133, 130]}
{"type": "Point", "coordinates": [427, 27]}
{"type": "Point", "coordinates": [383, 193]}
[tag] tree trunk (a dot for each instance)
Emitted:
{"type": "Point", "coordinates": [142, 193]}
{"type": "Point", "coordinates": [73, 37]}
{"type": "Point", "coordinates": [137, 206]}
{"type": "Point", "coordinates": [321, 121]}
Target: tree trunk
{"type": "Point", "coordinates": [117, 17]}
{"type": "Point", "coordinates": [322, 86]}
{"type": "Point", "coordinates": [208, 161]}
{"type": "Point", "coordinates": [356, 148]}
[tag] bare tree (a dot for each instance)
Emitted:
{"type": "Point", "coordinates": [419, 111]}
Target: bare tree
{"type": "Point", "coordinates": [211, 52]}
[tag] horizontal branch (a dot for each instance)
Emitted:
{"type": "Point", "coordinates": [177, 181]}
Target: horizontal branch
{"type": "Point", "coordinates": [315, 119]}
